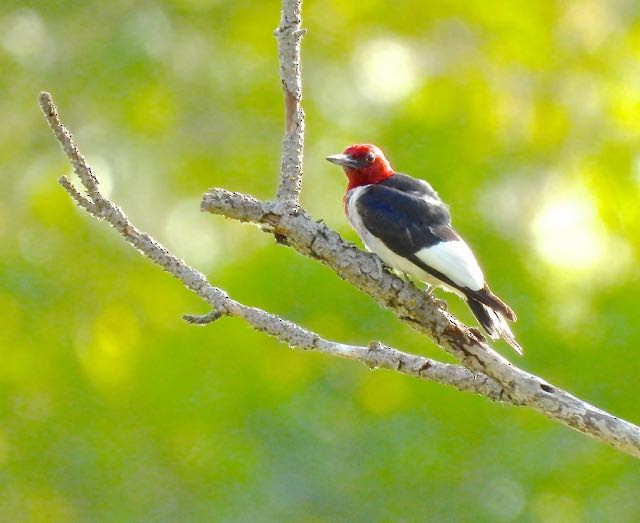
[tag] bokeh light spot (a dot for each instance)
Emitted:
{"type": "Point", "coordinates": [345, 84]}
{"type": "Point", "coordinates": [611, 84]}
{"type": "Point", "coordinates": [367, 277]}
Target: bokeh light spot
{"type": "Point", "coordinates": [503, 498]}
{"type": "Point", "coordinates": [152, 28]}
{"type": "Point", "coordinates": [385, 70]}
{"type": "Point", "coordinates": [190, 234]}
{"type": "Point", "coordinates": [569, 236]}
{"type": "Point", "coordinates": [588, 23]}
{"type": "Point", "coordinates": [24, 35]}
{"type": "Point", "coordinates": [566, 234]}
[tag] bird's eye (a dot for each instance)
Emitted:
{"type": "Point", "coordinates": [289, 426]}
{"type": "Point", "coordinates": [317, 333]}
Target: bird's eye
{"type": "Point", "coordinates": [370, 157]}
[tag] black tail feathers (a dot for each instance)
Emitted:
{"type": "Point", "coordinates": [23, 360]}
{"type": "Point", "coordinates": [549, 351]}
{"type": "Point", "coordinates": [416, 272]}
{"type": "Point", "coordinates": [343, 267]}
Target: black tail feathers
{"type": "Point", "coordinates": [487, 297]}
{"type": "Point", "coordinates": [493, 320]}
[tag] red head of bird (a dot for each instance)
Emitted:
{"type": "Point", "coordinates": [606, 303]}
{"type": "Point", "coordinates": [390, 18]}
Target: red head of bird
{"type": "Point", "coordinates": [363, 164]}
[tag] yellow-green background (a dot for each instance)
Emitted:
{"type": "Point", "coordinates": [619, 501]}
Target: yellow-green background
{"type": "Point", "coordinates": [525, 116]}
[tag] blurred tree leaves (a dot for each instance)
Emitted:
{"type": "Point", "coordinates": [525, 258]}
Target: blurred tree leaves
{"type": "Point", "coordinates": [112, 409]}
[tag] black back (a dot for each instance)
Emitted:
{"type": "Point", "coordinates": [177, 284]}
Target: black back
{"type": "Point", "coordinates": [407, 184]}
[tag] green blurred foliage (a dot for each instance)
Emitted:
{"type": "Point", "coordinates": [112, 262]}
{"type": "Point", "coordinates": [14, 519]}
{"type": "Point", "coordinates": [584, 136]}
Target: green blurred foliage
{"type": "Point", "coordinates": [524, 115]}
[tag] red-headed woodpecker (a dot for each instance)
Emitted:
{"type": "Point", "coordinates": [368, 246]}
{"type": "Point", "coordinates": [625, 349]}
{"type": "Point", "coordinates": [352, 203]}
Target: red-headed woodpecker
{"type": "Point", "coordinates": [404, 222]}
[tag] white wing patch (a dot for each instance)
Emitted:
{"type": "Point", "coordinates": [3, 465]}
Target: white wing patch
{"type": "Point", "coordinates": [456, 261]}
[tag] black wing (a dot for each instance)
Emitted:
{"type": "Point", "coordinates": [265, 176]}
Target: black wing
{"type": "Point", "coordinates": [404, 221]}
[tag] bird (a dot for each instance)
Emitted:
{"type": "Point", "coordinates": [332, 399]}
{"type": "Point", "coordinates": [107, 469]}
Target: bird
{"type": "Point", "coordinates": [403, 221]}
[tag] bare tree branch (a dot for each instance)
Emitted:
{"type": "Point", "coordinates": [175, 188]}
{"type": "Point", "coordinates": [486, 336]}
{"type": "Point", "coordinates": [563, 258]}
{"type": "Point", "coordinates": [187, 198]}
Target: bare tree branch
{"type": "Point", "coordinates": [485, 371]}
{"type": "Point", "coordinates": [375, 355]}
{"type": "Point", "coordinates": [289, 35]}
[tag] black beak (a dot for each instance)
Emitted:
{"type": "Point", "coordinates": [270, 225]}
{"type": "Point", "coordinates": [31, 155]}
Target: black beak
{"type": "Point", "coordinates": [344, 160]}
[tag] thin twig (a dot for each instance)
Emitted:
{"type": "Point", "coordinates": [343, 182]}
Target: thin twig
{"type": "Point", "coordinates": [70, 149]}
{"type": "Point", "coordinates": [80, 199]}
{"type": "Point", "coordinates": [202, 319]}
